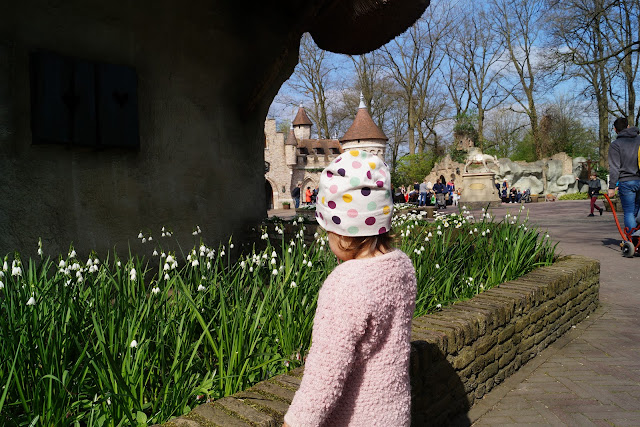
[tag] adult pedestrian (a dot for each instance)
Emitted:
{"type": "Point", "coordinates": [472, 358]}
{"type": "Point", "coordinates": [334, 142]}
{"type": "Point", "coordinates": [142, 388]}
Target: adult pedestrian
{"type": "Point", "coordinates": [624, 172]}
{"type": "Point", "coordinates": [440, 188]}
{"type": "Point", "coordinates": [422, 201]}
{"type": "Point", "coordinates": [295, 194]}
{"type": "Point", "coordinates": [593, 191]}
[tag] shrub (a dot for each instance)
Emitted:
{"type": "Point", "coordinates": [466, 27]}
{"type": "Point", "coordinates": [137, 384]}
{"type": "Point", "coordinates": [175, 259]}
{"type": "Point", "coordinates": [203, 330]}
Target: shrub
{"type": "Point", "coordinates": [574, 196]}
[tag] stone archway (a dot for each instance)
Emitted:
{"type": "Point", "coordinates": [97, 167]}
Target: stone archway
{"type": "Point", "coordinates": [268, 189]}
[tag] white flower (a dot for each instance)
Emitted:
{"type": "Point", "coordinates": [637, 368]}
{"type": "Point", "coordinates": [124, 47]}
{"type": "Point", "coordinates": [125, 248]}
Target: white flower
{"type": "Point", "coordinates": [1, 285]}
{"type": "Point", "coordinates": [250, 269]}
{"type": "Point", "coordinates": [40, 251]}
{"type": "Point", "coordinates": [195, 263]}
{"type": "Point", "coordinates": [72, 254]}
{"type": "Point", "coordinates": [546, 235]}
{"type": "Point", "coordinates": [231, 246]}
{"type": "Point", "coordinates": [150, 238]}
{"type": "Point", "coordinates": [243, 264]}
{"type": "Point", "coordinates": [133, 344]}
{"type": "Point", "coordinates": [140, 236]}
{"type": "Point", "coordinates": [133, 274]}
{"type": "Point", "coordinates": [439, 306]}
{"type": "Point", "coordinates": [309, 264]}
{"type": "Point", "coordinates": [155, 290]}
{"type": "Point", "coordinates": [155, 253]}
{"type": "Point", "coordinates": [16, 271]}
{"type": "Point", "coordinates": [170, 259]}
{"type": "Point", "coordinates": [289, 250]}
{"type": "Point", "coordinates": [437, 265]}
{"type": "Point", "coordinates": [274, 272]}
{"type": "Point", "coordinates": [5, 267]}
{"type": "Point", "coordinates": [221, 253]}
{"type": "Point", "coordinates": [293, 285]}
{"type": "Point", "coordinates": [166, 276]}
{"type": "Point", "coordinates": [273, 261]}
{"type": "Point", "coordinates": [32, 301]}
{"type": "Point", "coordinates": [201, 288]}
{"type": "Point", "coordinates": [119, 264]}
{"type": "Point", "coordinates": [144, 240]}
{"type": "Point", "coordinates": [274, 254]}
{"type": "Point", "coordinates": [166, 267]}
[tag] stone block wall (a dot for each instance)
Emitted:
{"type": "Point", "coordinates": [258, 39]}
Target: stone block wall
{"type": "Point", "coordinates": [457, 355]}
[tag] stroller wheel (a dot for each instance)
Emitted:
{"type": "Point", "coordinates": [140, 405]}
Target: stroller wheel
{"type": "Point", "coordinates": [628, 249]}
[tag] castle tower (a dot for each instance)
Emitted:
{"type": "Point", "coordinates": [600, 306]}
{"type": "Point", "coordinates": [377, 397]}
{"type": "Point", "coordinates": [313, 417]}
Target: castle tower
{"type": "Point", "coordinates": [364, 134]}
{"type": "Point", "coordinates": [302, 125]}
{"type": "Point", "coordinates": [290, 148]}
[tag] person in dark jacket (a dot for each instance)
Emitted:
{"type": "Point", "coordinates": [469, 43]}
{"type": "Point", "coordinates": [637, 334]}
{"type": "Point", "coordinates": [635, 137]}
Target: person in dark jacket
{"type": "Point", "coordinates": [440, 188]}
{"type": "Point", "coordinates": [593, 192]}
{"type": "Point", "coordinates": [295, 194]}
{"type": "Point", "coordinates": [624, 172]}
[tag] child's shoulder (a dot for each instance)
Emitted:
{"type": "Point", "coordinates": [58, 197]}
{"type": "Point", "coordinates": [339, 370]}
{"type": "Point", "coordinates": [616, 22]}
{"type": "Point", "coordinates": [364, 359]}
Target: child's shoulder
{"type": "Point", "coordinates": [378, 268]}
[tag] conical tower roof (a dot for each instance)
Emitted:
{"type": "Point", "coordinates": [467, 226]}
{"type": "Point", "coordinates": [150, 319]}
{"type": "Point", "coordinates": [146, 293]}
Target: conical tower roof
{"type": "Point", "coordinates": [291, 138]}
{"type": "Point", "coordinates": [302, 118]}
{"type": "Point", "coordinates": [363, 127]}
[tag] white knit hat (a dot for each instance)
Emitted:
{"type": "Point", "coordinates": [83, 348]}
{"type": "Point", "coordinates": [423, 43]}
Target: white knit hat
{"type": "Point", "coordinates": [354, 196]}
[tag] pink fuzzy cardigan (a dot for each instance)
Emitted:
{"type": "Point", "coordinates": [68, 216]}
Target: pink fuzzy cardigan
{"type": "Point", "coordinates": [357, 371]}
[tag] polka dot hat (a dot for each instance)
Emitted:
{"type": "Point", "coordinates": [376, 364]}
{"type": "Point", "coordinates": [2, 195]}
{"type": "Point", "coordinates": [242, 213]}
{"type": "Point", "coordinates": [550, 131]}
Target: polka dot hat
{"type": "Point", "coordinates": [354, 196]}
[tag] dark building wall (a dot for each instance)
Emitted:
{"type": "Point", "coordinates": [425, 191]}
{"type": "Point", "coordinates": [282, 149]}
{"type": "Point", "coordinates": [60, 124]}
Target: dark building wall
{"type": "Point", "coordinates": [198, 68]}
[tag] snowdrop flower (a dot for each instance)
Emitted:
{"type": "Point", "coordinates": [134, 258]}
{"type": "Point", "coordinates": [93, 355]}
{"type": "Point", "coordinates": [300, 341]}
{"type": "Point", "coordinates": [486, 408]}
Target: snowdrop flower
{"type": "Point", "coordinates": [133, 274]}
{"type": "Point", "coordinates": [150, 238]}
{"type": "Point", "coordinates": [437, 265]}
{"type": "Point", "coordinates": [1, 285]}
{"type": "Point", "coordinates": [195, 263]}
{"type": "Point", "coordinates": [289, 250]}
{"type": "Point", "coordinates": [243, 264]}
{"type": "Point", "coordinates": [250, 269]}
{"type": "Point", "coordinates": [208, 265]}
{"type": "Point", "coordinates": [166, 267]}
{"type": "Point", "coordinates": [546, 235]}
{"type": "Point", "coordinates": [40, 251]}
{"type": "Point", "coordinates": [273, 261]}
{"type": "Point", "coordinates": [274, 272]}
{"type": "Point", "coordinates": [155, 253]}
{"type": "Point", "coordinates": [133, 344]}
{"type": "Point", "coordinates": [166, 276]}
{"type": "Point", "coordinates": [5, 267]}
{"type": "Point", "coordinates": [170, 259]}
{"type": "Point", "coordinates": [201, 288]}
{"type": "Point", "coordinates": [16, 271]}
{"type": "Point", "coordinates": [32, 301]}
{"type": "Point", "coordinates": [231, 246]}
{"type": "Point", "coordinates": [315, 235]}
{"type": "Point", "coordinates": [429, 234]}
{"type": "Point", "coordinates": [72, 254]}
{"type": "Point", "coordinates": [221, 253]}
{"type": "Point", "coordinates": [140, 236]}
{"type": "Point", "coordinates": [155, 290]}
{"type": "Point", "coordinates": [144, 240]}
{"type": "Point", "coordinates": [293, 285]}
{"type": "Point", "coordinates": [439, 306]}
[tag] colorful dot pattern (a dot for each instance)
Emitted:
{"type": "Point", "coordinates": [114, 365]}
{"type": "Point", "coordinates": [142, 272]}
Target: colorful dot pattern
{"type": "Point", "coordinates": [355, 196]}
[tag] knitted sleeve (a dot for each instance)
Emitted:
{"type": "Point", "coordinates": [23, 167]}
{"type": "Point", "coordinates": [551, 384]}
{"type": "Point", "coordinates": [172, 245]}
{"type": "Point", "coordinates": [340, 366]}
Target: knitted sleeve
{"type": "Point", "coordinates": [339, 324]}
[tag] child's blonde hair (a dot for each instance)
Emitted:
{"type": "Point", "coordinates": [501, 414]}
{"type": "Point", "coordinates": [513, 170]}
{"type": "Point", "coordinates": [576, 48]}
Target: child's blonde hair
{"type": "Point", "coordinates": [369, 244]}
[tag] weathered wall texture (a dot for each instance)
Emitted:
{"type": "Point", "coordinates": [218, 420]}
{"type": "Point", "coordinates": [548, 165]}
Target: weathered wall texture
{"type": "Point", "coordinates": [195, 81]}
{"type": "Point", "coordinates": [457, 355]}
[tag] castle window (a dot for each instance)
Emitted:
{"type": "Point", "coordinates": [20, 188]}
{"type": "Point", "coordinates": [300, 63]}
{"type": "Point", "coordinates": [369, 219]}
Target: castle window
{"type": "Point", "coordinates": [319, 150]}
{"type": "Point", "coordinates": [303, 150]}
{"type": "Point", "coordinates": [335, 150]}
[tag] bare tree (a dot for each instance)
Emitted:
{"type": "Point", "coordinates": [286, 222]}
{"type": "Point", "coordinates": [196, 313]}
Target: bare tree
{"type": "Point", "coordinates": [313, 79]}
{"type": "Point", "coordinates": [579, 27]}
{"type": "Point", "coordinates": [518, 24]}
{"type": "Point", "coordinates": [476, 53]}
{"type": "Point", "coordinates": [413, 59]}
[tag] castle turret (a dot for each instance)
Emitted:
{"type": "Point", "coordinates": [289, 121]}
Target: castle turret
{"type": "Point", "coordinates": [364, 134]}
{"type": "Point", "coordinates": [290, 148]}
{"type": "Point", "coordinates": [302, 125]}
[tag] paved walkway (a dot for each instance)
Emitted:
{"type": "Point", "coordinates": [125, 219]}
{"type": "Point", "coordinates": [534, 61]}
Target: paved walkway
{"type": "Point", "coordinates": [590, 376]}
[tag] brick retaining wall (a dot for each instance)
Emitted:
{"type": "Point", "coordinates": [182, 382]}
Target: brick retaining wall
{"type": "Point", "coordinates": [457, 355]}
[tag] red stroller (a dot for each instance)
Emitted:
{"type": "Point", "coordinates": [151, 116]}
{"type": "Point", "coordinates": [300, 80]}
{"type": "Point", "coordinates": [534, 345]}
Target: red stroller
{"type": "Point", "coordinates": [627, 246]}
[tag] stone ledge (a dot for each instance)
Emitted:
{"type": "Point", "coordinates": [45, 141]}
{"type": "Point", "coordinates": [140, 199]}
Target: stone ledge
{"type": "Point", "coordinates": [457, 355]}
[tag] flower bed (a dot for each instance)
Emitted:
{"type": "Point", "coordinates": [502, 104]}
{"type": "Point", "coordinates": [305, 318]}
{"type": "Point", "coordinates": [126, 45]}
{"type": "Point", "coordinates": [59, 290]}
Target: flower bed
{"type": "Point", "coordinates": [141, 340]}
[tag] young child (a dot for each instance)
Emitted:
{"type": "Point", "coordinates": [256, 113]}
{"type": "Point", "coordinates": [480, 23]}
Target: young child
{"type": "Point", "coordinates": [357, 370]}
